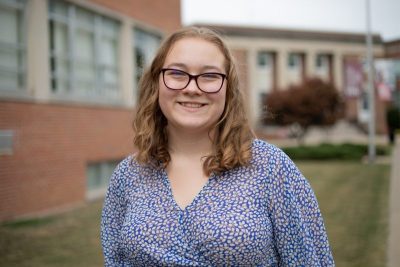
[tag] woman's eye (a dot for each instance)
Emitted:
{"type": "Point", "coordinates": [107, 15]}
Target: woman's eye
{"type": "Point", "coordinates": [210, 76]}
{"type": "Point", "coordinates": [175, 73]}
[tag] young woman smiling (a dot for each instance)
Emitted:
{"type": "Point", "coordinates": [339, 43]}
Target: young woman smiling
{"type": "Point", "coordinates": [201, 189]}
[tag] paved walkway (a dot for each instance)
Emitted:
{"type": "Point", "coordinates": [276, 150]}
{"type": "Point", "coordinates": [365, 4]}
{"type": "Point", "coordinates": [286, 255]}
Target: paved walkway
{"type": "Point", "coordinates": [394, 210]}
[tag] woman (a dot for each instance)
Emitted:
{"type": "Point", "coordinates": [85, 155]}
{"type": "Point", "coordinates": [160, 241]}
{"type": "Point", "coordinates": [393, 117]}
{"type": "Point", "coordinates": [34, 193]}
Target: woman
{"type": "Point", "coordinates": [201, 190]}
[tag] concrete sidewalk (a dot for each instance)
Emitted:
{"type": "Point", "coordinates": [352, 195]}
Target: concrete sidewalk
{"type": "Point", "coordinates": [394, 210]}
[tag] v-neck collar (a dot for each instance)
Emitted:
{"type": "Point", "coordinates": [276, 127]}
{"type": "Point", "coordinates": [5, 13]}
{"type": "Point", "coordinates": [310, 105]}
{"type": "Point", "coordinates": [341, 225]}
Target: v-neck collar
{"type": "Point", "coordinates": [167, 183]}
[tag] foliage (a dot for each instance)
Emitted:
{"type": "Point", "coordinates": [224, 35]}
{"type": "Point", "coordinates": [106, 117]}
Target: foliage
{"type": "Point", "coordinates": [313, 102]}
{"type": "Point", "coordinates": [393, 122]}
{"type": "Point", "coordinates": [393, 117]}
{"type": "Point", "coordinates": [344, 151]}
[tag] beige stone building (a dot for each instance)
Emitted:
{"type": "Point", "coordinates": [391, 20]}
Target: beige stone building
{"type": "Point", "coordinates": [275, 58]}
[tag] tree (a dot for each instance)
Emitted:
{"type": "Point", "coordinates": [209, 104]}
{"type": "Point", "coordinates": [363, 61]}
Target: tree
{"type": "Point", "coordinates": [313, 102]}
{"type": "Point", "coordinates": [393, 122]}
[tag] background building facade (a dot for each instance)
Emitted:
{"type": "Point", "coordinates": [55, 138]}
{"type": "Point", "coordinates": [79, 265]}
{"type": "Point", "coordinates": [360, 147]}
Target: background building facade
{"type": "Point", "coordinates": [69, 71]}
{"type": "Point", "coordinates": [273, 59]}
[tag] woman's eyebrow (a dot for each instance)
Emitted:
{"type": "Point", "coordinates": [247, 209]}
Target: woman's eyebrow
{"type": "Point", "coordinates": [202, 68]}
{"type": "Point", "coordinates": [211, 67]}
{"type": "Point", "coordinates": [178, 65]}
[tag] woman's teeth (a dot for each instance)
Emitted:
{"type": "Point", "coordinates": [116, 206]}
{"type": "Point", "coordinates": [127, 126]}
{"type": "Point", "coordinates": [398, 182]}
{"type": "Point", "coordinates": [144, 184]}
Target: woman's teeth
{"type": "Point", "coordinates": [191, 105]}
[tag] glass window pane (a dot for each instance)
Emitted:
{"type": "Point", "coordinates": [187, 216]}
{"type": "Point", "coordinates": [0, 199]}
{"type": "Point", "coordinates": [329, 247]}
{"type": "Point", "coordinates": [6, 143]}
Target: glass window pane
{"type": "Point", "coordinates": [85, 19]}
{"type": "Point", "coordinates": [84, 46]}
{"type": "Point", "coordinates": [12, 46]}
{"type": "Point", "coordinates": [60, 36]}
{"type": "Point", "coordinates": [60, 51]}
{"type": "Point", "coordinates": [85, 61]}
{"type": "Point", "coordinates": [98, 174]}
{"type": "Point", "coordinates": [110, 28]}
{"type": "Point", "coordinates": [8, 26]}
{"type": "Point", "coordinates": [58, 7]}
{"type": "Point", "coordinates": [146, 45]}
{"type": "Point", "coordinates": [109, 52]}
{"type": "Point", "coordinates": [264, 59]}
{"type": "Point", "coordinates": [9, 59]}
{"type": "Point", "coordinates": [8, 80]}
{"type": "Point", "coordinates": [93, 176]}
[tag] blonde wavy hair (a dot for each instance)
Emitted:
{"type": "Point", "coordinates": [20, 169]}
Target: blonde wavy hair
{"type": "Point", "coordinates": [232, 143]}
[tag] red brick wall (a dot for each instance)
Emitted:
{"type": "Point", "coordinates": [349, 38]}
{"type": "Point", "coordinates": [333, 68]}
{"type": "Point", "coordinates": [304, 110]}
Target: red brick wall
{"type": "Point", "coordinates": [159, 13]}
{"type": "Point", "coordinates": [380, 108]}
{"type": "Point", "coordinates": [351, 109]}
{"type": "Point", "coordinates": [242, 69]}
{"type": "Point", "coordinates": [52, 144]}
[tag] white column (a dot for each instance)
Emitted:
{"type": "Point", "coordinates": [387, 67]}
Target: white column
{"type": "Point", "coordinates": [310, 57]}
{"type": "Point", "coordinates": [338, 70]}
{"type": "Point", "coordinates": [254, 109]}
{"type": "Point", "coordinates": [128, 83]}
{"type": "Point", "coordinates": [38, 53]}
{"type": "Point", "coordinates": [281, 65]}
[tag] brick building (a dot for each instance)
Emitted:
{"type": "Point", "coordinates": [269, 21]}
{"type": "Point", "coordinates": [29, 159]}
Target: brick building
{"type": "Point", "coordinates": [68, 85]}
{"type": "Point", "coordinates": [392, 49]}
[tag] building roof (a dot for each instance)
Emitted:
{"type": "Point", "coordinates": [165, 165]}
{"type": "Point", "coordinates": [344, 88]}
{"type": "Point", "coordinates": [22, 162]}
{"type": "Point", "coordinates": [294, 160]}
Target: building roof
{"type": "Point", "coordinates": [293, 34]}
{"type": "Point", "coordinates": [392, 49]}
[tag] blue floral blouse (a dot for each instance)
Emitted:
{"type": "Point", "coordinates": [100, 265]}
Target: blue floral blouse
{"type": "Point", "coordinates": [264, 214]}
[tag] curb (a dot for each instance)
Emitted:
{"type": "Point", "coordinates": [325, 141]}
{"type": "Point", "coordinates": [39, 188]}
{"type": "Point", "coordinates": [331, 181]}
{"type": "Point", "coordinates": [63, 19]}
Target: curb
{"type": "Point", "coordinates": [393, 255]}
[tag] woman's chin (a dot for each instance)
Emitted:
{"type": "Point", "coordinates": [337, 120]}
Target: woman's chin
{"type": "Point", "coordinates": [192, 126]}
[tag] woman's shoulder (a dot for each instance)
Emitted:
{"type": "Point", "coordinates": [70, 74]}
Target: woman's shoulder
{"type": "Point", "coordinates": [261, 148]}
{"type": "Point", "coordinates": [264, 153]}
{"type": "Point", "coordinates": [127, 163]}
{"type": "Point", "coordinates": [129, 168]}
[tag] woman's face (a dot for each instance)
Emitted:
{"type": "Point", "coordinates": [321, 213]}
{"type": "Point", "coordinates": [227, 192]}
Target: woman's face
{"type": "Point", "coordinates": [191, 109]}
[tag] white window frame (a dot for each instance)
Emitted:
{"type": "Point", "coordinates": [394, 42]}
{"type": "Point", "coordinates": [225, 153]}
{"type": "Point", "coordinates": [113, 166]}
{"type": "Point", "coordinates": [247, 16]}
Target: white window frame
{"type": "Point", "coordinates": [103, 170]}
{"type": "Point", "coordinates": [137, 45]}
{"type": "Point", "coordinates": [265, 71]}
{"type": "Point", "coordinates": [72, 92]}
{"type": "Point", "coordinates": [19, 48]}
{"type": "Point", "coordinates": [294, 60]}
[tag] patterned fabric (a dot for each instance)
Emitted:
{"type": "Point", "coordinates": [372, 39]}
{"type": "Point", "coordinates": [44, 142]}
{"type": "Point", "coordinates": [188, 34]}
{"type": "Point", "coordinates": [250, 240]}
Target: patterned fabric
{"type": "Point", "coordinates": [264, 214]}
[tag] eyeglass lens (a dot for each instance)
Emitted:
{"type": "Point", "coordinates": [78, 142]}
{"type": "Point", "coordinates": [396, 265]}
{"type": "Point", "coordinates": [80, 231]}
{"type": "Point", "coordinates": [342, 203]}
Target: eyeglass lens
{"type": "Point", "coordinates": [206, 82]}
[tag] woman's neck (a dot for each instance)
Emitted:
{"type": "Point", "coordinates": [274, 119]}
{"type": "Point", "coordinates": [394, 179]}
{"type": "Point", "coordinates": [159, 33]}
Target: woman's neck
{"type": "Point", "coordinates": [189, 144]}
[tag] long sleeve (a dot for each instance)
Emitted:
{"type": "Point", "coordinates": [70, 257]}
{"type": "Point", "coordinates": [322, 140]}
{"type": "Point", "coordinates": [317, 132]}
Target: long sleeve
{"type": "Point", "coordinates": [299, 231]}
{"type": "Point", "coordinates": [112, 219]}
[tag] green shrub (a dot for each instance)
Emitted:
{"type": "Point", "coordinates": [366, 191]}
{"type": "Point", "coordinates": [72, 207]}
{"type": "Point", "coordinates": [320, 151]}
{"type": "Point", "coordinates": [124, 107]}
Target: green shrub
{"type": "Point", "coordinates": [346, 151]}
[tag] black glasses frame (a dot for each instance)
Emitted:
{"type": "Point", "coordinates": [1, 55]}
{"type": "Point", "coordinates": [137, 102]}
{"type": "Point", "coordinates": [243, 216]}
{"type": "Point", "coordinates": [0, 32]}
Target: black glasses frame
{"type": "Point", "coordinates": [195, 79]}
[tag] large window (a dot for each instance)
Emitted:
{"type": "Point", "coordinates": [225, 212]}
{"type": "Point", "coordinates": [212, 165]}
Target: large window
{"type": "Point", "coordinates": [323, 66]}
{"type": "Point", "coordinates": [145, 46]}
{"type": "Point", "coordinates": [265, 74]}
{"type": "Point", "coordinates": [265, 71]}
{"type": "Point", "coordinates": [12, 45]}
{"type": "Point", "coordinates": [98, 175]}
{"type": "Point", "coordinates": [294, 60]}
{"type": "Point", "coordinates": [83, 52]}
{"type": "Point", "coordinates": [295, 72]}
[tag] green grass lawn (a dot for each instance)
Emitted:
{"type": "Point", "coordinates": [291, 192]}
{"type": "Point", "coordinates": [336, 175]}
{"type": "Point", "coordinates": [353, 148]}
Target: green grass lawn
{"type": "Point", "coordinates": [353, 198]}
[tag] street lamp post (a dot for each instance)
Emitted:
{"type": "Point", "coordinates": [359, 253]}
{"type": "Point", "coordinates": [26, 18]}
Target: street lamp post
{"type": "Point", "coordinates": [371, 91]}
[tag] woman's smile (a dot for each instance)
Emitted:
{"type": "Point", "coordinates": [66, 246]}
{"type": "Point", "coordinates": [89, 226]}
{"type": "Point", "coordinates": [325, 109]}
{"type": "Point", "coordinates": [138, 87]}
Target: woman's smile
{"type": "Point", "coordinates": [187, 104]}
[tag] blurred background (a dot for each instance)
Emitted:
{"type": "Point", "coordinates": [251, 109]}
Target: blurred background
{"type": "Point", "coordinates": [69, 73]}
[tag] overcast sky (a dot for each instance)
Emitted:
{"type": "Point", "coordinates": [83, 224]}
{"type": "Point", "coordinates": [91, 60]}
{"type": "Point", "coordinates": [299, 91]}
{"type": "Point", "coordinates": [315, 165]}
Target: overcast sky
{"type": "Point", "coordinates": [330, 15]}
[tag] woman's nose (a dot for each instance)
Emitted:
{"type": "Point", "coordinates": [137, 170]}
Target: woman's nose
{"type": "Point", "coordinates": [192, 87]}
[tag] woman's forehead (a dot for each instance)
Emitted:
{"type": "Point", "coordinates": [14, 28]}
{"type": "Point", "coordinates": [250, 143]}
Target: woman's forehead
{"type": "Point", "coordinates": [195, 52]}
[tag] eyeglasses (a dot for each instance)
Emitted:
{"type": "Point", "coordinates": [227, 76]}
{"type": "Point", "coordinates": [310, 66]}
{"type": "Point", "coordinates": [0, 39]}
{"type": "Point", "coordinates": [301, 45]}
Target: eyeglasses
{"type": "Point", "coordinates": [209, 82]}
